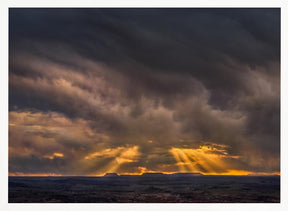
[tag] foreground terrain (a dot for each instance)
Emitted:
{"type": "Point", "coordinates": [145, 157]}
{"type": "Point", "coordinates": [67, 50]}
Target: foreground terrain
{"type": "Point", "coordinates": [145, 189]}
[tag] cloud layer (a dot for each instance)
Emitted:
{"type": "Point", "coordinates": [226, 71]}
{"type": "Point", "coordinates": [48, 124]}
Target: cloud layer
{"type": "Point", "coordinates": [137, 90]}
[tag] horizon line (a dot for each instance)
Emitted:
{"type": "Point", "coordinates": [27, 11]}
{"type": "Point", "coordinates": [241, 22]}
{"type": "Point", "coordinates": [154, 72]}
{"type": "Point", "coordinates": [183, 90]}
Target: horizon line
{"type": "Point", "coordinates": [140, 174]}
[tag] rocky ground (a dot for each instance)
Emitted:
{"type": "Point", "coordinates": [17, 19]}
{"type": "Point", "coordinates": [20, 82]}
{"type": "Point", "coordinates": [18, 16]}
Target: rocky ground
{"type": "Point", "coordinates": [139, 189]}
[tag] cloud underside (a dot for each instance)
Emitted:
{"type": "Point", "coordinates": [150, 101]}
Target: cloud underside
{"type": "Point", "coordinates": [144, 90]}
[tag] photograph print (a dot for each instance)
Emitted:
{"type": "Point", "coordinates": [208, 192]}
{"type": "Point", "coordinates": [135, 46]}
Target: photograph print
{"type": "Point", "coordinates": [144, 105]}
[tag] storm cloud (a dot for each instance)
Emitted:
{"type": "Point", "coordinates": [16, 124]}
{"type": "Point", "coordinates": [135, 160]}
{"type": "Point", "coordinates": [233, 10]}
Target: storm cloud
{"type": "Point", "coordinates": [144, 90]}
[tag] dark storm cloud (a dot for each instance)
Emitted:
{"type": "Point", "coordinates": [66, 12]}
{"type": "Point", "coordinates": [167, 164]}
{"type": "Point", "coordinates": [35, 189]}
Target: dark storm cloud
{"type": "Point", "coordinates": [206, 44]}
{"type": "Point", "coordinates": [152, 78]}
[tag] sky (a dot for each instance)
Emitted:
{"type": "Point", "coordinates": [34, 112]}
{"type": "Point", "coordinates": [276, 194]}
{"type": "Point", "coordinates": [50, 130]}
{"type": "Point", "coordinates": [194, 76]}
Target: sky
{"type": "Point", "coordinates": [131, 91]}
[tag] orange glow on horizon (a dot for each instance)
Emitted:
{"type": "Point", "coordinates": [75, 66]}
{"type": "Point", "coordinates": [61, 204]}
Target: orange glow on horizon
{"type": "Point", "coordinates": [229, 173]}
{"type": "Point", "coordinates": [34, 174]}
{"type": "Point", "coordinates": [244, 173]}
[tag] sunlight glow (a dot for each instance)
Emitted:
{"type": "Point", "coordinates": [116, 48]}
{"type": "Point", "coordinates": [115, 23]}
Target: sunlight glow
{"type": "Point", "coordinates": [207, 159]}
{"type": "Point", "coordinates": [119, 156]}
{"type": "Point", "coordinates": [55, 155]}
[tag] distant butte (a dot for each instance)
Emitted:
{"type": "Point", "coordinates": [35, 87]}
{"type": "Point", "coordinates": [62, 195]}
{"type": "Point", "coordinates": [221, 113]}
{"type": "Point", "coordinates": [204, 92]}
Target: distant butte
{"type": "Point", "coordinates": [111, 175]}
{"type": "Point", "coordinates": [187, 174]}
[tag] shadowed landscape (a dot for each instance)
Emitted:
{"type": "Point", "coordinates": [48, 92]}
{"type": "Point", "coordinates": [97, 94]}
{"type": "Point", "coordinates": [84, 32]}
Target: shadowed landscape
{"type": "Point", "coordinates": [147, 188]}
